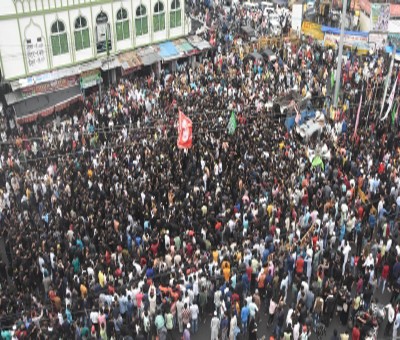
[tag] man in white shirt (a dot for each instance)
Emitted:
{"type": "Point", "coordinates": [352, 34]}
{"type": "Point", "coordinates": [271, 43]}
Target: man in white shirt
{"type": "Point", "coordinates": [390, 314]}
{"type": "Point", "coordinates": [194, 312]}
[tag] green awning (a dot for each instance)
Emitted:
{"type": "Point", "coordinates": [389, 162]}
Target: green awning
{"type": "Point", "coordinates": [184, 47]}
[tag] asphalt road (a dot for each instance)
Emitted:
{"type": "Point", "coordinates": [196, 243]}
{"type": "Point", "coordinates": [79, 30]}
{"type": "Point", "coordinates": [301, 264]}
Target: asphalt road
{"type": "Point", "coordinates": [204, 332]}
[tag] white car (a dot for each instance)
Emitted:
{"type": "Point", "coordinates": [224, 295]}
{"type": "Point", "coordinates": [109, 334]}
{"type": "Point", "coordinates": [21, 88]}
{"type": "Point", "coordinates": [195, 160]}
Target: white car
{"type": "Point", "coordinates": [250, 6]}
{"type": "Point", "coordinates": [268, 11]}
{"type": "Point", "coordinates": [276, 28]}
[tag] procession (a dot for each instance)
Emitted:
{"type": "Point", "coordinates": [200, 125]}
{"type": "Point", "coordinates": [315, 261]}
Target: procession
{"type": "Point", "coordinates": [229, 199]}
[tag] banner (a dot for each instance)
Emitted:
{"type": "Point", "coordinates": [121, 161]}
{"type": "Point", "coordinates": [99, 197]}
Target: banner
{"type": "Point", "coordinates": [349, 40]}
{"type": "Point", "coordinates": [378, 40]}
{"type": "Point", "coordinates": [184, 132]}
{"type": "Point", "coordinates": [90, 78]}
{"type": "Point", "coordinates": [380, 16]}
{"type": "Point", "coordinates": [394, 39]}
{"type": "Point", "coordinates": [365, 5]}
{"type": "Point", "coordinates": [391, 99]}
{"type": "Point", "coordinates": [49, 87]}
{"type": "Point", "coordinates": [313, 30]}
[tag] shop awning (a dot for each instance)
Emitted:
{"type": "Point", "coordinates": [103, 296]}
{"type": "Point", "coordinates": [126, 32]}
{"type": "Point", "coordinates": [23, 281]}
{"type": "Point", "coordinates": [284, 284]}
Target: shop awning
{"type": "Point", "coordinates": [130, 61]}
{"type": "Point", "coordinates": [55, 75]}
{"type": "Point", "coordinates": [13, 97]}
{"type": "Point", "coordinates": [41, 106]}
{"type": "Point", "coordinates": [168, 51]}
{"type": "Point", "coordinates": [148, 55]}
{"type": "Point", "coordinates": [110, 64]}
{"type": "Point", "coordinates": [199, 43]}
{"type": "Point", "coordinates": [184, 47]}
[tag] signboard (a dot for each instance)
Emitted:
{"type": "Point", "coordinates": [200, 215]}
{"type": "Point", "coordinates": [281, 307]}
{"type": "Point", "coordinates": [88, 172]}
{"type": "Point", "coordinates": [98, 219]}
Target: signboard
{"type": "Point", "coordinates": [378, 40]}
{"type": "Point", "coordinates": [313, 30]}
{"type": "Point", "coordinates": [380, 16]}
{"type": "Point", "coordinates": [349, 39]}
{"type": "Point", "coordinates": [365, 6]}
{"type": "Point", "coordinates": [35, 54]}
{"type": "Point", "coordinates": [90, 78]}
{"type": "Point", "coordinates": [52, 86]}
{"type": "Point", "coordinates": [394, 39]}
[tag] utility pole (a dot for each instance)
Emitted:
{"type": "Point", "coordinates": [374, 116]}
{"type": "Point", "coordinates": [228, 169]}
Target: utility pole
{"type": "Point", "coordinates": [388, 78]}
{"type": "Point", "coordinates": [340, 55]}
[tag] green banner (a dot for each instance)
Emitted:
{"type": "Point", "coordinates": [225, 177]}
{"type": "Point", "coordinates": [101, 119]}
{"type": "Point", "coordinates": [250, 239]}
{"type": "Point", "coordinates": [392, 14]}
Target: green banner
{"type": "Point", "coordinates": [90, 80]}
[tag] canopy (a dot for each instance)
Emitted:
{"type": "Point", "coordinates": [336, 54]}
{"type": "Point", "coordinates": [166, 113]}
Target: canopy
{"type": "Point", "coordinates": [168, 51]}
{"type": "Point", "coordinates": [148, 55]}
{"type": "Point", "coordinates": [46, 104]}
{"type": "Point", "coordinates": [317, 161]}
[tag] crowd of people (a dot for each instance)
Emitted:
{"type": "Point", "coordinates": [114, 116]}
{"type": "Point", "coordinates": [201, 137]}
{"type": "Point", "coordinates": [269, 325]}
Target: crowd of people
{"type": "Point", "coordinates": [114, 232]}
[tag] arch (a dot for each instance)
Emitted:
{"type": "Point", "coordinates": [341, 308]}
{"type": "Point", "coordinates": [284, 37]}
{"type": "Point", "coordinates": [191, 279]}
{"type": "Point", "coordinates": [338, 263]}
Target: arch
{"type": "Point", "coordinates": [36, 55]}
{"type": "Point", "coordinates": [175, 14]}
{"type": "Point", "coordinates": [122, 25]}
{"type": "Point", "coordinates": [81, 33]}
{"type": "Point", "coordinates": [59, 38]}
{"type": "Point", "coordinates": [159, 17]}
{"type": "Point", "coordinates": [141, 21]}
{"type": "Point", "coordinates": [103, 33]}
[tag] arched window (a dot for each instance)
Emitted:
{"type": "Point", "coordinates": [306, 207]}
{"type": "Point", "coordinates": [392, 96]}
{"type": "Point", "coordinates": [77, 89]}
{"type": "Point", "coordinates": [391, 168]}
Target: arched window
{"type": "Point", "coordinates": [141, 21]}
{"type": "Point", "coordinates": [122, 25]}
{"type": "Point", "coordinates": [103, 33]}
{"type": "Point", "coordinates": [159, 17]}
{"type": "Point", "coordinates": [59, 40]}
{"type": "Point", "coordinates": [175, 18]}
{"type": "Point", "coordinates": [81, 34]}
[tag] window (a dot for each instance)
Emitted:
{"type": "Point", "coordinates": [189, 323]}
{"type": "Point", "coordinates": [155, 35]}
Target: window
{"type": "Point", "coordinates": [81, 33]}
{"type": "Point", "coordinates": [103, 33]}
{"type": "Point", "coordinates": [175, 14]}
{"type": "Point", "coordinates": [141, 21]}
{"type": "Point", "coordinates": [59, 40]}
{"type": "Point", "coordinates": [159, 17]}
{"type": "Point", "coordinates": [122, 25]}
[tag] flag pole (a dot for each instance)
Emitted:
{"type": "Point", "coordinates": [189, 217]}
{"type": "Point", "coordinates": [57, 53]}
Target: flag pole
{"type": "Point", "coordinates": [340, 56]}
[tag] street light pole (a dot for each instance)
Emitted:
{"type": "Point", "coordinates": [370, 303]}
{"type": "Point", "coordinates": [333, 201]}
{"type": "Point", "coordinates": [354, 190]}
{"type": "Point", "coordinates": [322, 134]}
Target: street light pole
{"type": "Point", "coordinates": [340, 55]}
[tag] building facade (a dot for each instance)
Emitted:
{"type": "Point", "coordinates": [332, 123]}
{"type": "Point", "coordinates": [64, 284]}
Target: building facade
{"type": "Point", "coordinates": [40, 36]}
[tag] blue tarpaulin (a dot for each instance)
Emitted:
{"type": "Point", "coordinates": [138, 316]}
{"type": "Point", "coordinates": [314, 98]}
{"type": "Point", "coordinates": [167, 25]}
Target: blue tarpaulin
{"type": "Point", "coordinates": [168, 51]}
{"type": "Point", "coordinates": [334, 30]}
{"type": "Point", "coordinates": [389, 49]}
{"type": "Point", "coordinates": [305, 115]}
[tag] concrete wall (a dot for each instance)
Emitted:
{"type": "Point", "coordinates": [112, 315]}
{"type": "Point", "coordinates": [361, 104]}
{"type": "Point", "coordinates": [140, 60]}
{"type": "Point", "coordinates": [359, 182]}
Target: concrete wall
{"type": "Point", "coordinates": [26, 49]}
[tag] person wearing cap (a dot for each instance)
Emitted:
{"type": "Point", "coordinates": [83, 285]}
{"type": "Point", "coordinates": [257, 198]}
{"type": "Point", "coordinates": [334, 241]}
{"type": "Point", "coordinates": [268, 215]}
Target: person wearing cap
{"type": "Point", "coordinates": [186, 333]}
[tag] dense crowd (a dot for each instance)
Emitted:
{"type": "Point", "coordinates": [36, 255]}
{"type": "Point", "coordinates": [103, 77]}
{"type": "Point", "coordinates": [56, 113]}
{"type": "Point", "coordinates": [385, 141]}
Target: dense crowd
{"type": "Point", "coordinates": [114, 232]}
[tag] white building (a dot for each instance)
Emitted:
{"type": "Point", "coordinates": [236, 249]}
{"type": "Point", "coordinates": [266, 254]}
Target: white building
{"type": "Point", "coordinates": [63, 41]}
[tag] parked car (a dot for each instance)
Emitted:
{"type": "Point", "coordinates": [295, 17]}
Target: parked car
{"type": "Point", "coordinates": [268, 55]}
{"type": "Point", "coordinates": [254, 56]}
{"type": "Point", "coordinates": [248, 33]}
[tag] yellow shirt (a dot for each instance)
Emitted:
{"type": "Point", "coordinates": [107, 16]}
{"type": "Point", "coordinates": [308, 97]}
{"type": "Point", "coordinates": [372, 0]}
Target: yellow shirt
{"type": "Point", "coordinates": [101, 279]}
{"type": "Point", "coordinates": [83, 290]}
{"type": "Point", "coordinates": [215, 256]}
{"type": "Point", "coordinates": [269, 209]}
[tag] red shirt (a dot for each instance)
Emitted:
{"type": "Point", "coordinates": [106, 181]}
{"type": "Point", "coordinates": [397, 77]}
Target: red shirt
{"type": "Point", "coordinates": [355, 335]}
{"type": "Point", "coordinates": [299, 265]}
{"type": "Point", "coordinates": [385, 272]}
{"type": "Point", "coordinates": [249, 271]}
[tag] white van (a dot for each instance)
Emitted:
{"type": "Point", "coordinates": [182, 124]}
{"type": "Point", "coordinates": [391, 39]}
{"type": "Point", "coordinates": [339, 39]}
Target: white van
{"type": "Point", "coordinates": [251, 6]}
{"type": "Point", "coordinates": [266, 4]}
{"type": "Point", "coordinates": [276, 28]}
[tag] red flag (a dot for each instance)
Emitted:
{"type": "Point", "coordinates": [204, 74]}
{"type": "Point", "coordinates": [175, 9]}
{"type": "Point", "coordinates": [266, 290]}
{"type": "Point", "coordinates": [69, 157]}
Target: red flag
{"type": "Point", "coordinates": [184, 132]}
